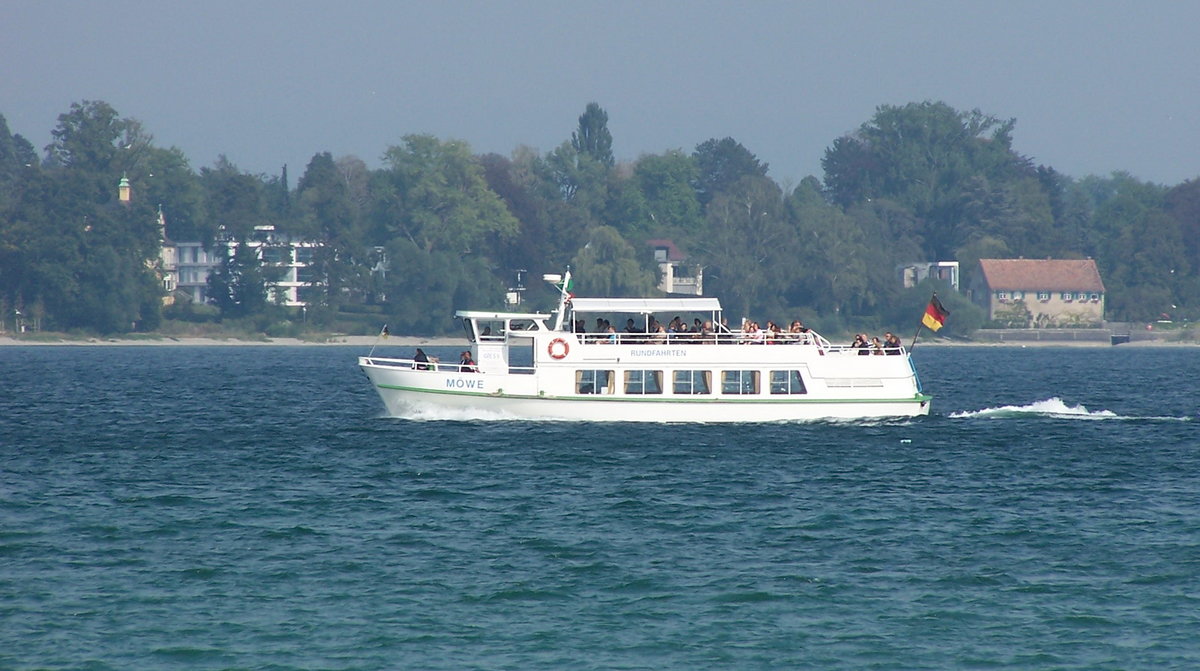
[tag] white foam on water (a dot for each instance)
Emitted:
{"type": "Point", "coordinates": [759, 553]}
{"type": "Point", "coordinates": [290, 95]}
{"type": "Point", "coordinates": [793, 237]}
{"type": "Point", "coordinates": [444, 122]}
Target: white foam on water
{"type": "Point", "coordinates": [1052, 407]}
{"type": "Point", "coordinates": [435, 413]}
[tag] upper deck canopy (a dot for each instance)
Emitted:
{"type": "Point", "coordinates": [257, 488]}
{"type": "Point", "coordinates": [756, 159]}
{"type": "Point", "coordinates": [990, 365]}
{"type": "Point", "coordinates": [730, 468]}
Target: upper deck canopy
{"type": "Point", "coordinates": [645, 305]}
{"type": "Point", "coordinates": [497, 316]}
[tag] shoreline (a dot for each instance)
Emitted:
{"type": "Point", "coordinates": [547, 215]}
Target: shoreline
{"type": "Point", "coordinates": [445, 341]}
{"type": "Point", "coordinates": [190, 341]}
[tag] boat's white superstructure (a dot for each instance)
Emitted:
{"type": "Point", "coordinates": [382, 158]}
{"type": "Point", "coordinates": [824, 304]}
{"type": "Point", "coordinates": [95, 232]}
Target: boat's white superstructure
{"type": "Point", "coordinates": [710, 376]}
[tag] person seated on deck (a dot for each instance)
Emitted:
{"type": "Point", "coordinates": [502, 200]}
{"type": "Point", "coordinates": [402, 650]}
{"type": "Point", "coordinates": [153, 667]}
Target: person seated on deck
{"type": "Point", "coordinates": [420, 361]}
{"type": "Point", "coordinates": [658, 332]}
{"type": "Point", "coordinates": [757, 335]}
{"type": "Point", "coordinates": [682, 333]}
{"type": "Point", "coordinates": [774, 334]}
{"type": "Point", "coordinates": [612, 335]}
{"type": "Point", "coordinates": [876, 346]}
{"type": "Point", "coordinates": [891, 343]}
{"type": "Point", "coordinates": [799, 332]}
{"type": "Point", "coordinates": [632, 330]}
{"type": "Point", "coordinates": [793, 333]}
{"type": "Point", "coordinates": [861, 344]}
{"type": "Point", "coordinates": [466, 364]}
{"type": "Point", "coordinates": [706, 332]}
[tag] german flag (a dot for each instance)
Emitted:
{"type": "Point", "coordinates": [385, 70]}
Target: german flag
{"type": "Point", "coordinates": [935, 314]}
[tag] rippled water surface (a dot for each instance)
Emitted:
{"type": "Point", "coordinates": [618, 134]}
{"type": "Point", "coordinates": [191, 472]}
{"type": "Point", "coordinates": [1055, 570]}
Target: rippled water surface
{"type": "Point", "coordinates": [250, 508]}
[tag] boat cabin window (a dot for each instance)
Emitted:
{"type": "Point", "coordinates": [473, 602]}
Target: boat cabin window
{"type": "Point", "coordinates": [787, 382]}
{"type": "Point", "coordinates": [521, 325]}
{"type": "Point", "coordinates": [739, 382]}
{"type": "Point", "coordinates": [643, 382]}
{"type": "Point", "coordinates": [594, 381]}
{"type": "Point", "coordinates": [489, 330]}
{"type": "Point", "coordinates": [692, 382]}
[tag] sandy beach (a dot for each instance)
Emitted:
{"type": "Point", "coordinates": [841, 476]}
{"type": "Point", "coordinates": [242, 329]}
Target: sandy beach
{"type": "Point", "coordinates": [168, 341]}
{"type": "Point", "coordinates": [422, 341]}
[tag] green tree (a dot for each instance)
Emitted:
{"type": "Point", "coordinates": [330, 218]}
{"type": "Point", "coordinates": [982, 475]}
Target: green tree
{"type": "Point", "coordinates": [665, 181]}
{"type": "Point", "coordinates": [434, 195]}
{"type": "Point", "coordinates": [164, 178]}
{"type": "Point", "coordinates": [550, 231]}
{"type": "Point", "coordinates": [592, 138]}
{"type": "Point", "coordinates": [609, 266]}
{"type": "Point", "coordinates": [326, 214]}
{"type": "Point", "coordinates": [922, 155]}
{"type": "Point", "coordinates": [749, 247]}
{"type": "Point", "coordinates": [77, 253]}
{"type": "Point", "coordinates": [240, 285]}
{"type": "Point", "coordinates": [433, 284]}
{"type": "Point", "coordinates": [721, 164]}
{"type": "Point", "coordinates": [233, 199]}
{"type": "Point", "coordinates": [829, 258]}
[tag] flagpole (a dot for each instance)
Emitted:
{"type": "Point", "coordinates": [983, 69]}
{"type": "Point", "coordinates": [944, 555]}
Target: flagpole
{"type": "Point", "coordinates": [915, 336]}
{"type": "Point", "coordinates": [936, 306]}
{"type": "Point", "coordinates": [383, 332]}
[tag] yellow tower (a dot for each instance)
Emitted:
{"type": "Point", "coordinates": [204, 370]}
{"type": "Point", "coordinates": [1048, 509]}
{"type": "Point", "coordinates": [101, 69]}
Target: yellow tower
{"type": "Point", "coordinates": [123, 190]}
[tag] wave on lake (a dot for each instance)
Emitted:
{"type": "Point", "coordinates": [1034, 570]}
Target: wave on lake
{"type": "Point", "coordinates": [1051, 407]}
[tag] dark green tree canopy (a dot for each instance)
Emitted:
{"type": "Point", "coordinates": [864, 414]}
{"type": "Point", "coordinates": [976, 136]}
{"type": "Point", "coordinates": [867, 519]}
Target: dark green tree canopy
{"type": "Point", "coordinates": [720, 164]}
{"type": "Point", "coordinates": [438, 227]}
{"type": "Point", "coordinates": [592, 138]}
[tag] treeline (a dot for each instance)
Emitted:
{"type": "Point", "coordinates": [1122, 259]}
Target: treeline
{"type": "Point", "coordinates": [916, 182]}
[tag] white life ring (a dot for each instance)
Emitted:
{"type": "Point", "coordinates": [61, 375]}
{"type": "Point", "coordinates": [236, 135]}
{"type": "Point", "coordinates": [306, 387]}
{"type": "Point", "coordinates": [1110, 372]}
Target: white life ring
{"type": "Point", "coordinates": [558, 349]}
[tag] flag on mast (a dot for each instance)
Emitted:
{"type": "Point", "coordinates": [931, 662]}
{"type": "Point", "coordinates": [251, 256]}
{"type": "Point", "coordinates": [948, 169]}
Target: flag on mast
{"type": "Point", "coordinates": [935, 314]}
{"type": "Point", "coordinates": [567, 286]}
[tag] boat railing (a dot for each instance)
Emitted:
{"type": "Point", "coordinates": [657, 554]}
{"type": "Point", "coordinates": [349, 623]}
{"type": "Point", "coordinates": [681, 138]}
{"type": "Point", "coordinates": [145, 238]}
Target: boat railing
{"type": "Point", "coordinates": [724, 338]}
{"type": "Point", "coordinates": [436, 365]}
{"type": "Point", "coordinates": [850, 350]}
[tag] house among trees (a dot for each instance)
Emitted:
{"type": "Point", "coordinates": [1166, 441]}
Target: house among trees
{"type": "Point", "coordinates": [1040, 293]}
{"type": "Point", "coordinates": [288, 259]}
{"type": "Point", "coordinates": [912, 274]}
{"type": "Point", "coordinates": [676, 277]}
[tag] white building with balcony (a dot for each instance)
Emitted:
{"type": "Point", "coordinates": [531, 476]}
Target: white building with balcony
{"type": "Point", "coordinates": [194, 263]}
{"type": "Point", "coordinates": [676, 276]}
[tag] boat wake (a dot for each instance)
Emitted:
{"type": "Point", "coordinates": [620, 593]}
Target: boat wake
{"type": "Point", "coordinates": [1052, 407]}
{"type": "Point", "coordinates": [433, 413]}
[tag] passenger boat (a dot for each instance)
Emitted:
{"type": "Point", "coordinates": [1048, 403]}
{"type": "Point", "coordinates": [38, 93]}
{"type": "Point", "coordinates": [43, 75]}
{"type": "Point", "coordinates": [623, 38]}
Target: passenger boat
{"type": "Point", "coordinates": [544, 367]}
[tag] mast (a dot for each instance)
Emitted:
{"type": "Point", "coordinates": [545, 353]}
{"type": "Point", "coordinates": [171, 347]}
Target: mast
{"type": "Point", "coordinates": [564, 286]}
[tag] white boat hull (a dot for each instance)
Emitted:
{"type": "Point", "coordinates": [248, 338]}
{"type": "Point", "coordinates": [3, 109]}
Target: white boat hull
{"type": "Point", "coordinates": [708, 374]}
{"type": "Point", "coordinates": [406, 393]}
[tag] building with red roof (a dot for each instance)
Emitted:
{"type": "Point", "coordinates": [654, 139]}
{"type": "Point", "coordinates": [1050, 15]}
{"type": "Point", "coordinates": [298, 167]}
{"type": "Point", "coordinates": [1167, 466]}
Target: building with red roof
{"type": "Point", "coordinates": [1040, 292]}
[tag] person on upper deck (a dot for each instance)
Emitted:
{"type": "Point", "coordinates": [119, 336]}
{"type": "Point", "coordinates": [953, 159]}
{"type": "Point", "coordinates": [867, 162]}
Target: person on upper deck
{"type": "Point", "coordinates": [861, 344]}
{"type": "Point", "coordinates": [891, 343]}
{"type": "Point", "coordinates": [466, 364]}
{"type": "Point", "coordinates": [420, 360]}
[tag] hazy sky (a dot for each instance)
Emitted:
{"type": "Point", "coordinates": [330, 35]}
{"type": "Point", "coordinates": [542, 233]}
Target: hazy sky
{"type": "Point", "coordinates": [1094, 86]}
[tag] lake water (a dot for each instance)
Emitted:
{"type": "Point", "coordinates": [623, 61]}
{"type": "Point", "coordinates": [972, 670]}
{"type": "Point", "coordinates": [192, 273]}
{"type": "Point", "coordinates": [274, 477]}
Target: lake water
{"type": "Point", "coordinates": [250, 508]}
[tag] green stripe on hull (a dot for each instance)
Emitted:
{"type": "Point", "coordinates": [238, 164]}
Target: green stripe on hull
{"type": "Point", "coordinates": [919, 398]}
